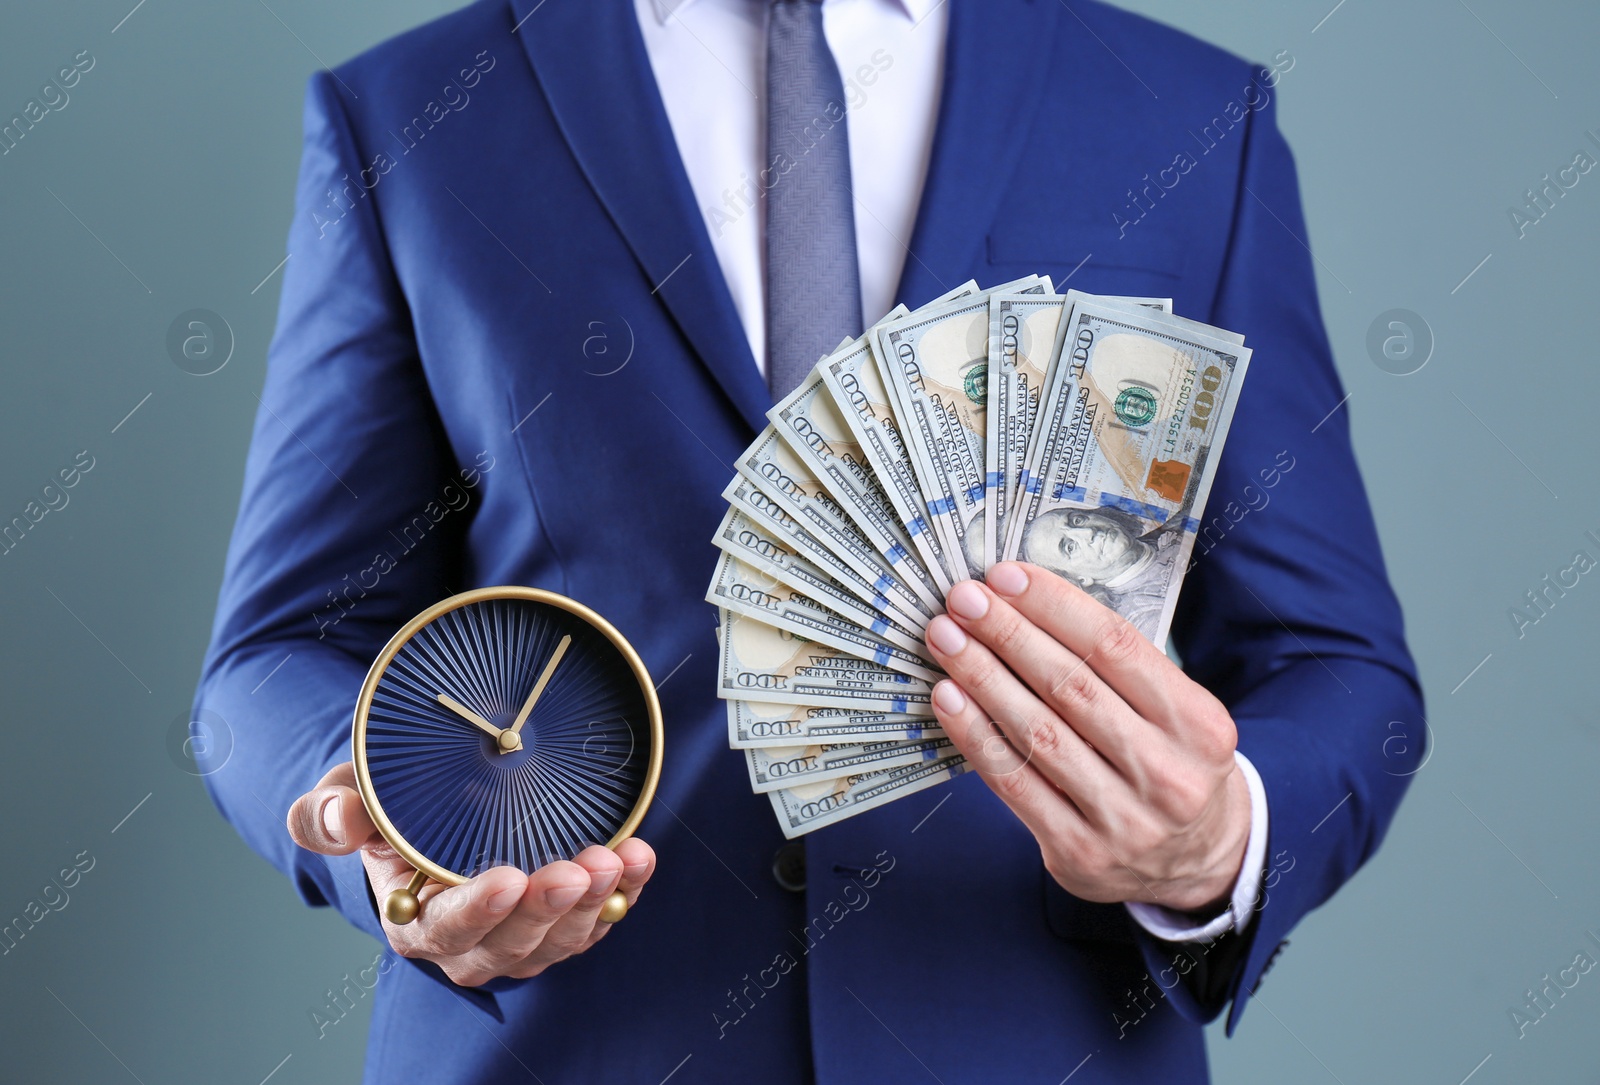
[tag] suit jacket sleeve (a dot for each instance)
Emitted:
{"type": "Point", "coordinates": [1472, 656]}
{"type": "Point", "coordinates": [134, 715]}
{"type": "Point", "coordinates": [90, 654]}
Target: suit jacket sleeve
{"type": "Point", "coordinates": [351, 516]}
{"type": "Point", "coordinates": [1287, 613]}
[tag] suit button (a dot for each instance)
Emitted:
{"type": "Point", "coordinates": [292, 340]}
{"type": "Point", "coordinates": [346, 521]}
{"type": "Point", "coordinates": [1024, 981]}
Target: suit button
{"type": "Point", "coordinates": [789, 866]}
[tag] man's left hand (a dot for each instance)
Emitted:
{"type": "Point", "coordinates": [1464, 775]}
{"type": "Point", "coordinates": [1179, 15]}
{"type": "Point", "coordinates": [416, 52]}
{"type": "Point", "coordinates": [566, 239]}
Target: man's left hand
{"type": "Point", "coordinates": [1120, 764]}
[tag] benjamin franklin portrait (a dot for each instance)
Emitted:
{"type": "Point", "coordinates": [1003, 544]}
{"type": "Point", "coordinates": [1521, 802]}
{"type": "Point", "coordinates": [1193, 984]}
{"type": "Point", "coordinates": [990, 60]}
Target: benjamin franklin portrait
{"type": "Point", "coordinates": [1108, 554]}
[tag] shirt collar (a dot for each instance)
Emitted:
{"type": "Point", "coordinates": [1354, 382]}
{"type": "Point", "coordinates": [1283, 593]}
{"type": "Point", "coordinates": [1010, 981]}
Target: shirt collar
{"type": "Point", "coordinates": [914, 10]}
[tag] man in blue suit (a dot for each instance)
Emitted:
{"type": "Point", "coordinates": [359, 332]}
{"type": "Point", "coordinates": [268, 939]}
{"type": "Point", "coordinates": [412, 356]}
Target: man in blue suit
{"type": "Point", "coordinates": [479, 200]}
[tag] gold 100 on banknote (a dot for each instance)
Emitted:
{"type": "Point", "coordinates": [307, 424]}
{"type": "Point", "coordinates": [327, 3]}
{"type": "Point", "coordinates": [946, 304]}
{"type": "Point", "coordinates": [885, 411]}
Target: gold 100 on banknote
{"type": "Point", "coordinates": [1076, 431]}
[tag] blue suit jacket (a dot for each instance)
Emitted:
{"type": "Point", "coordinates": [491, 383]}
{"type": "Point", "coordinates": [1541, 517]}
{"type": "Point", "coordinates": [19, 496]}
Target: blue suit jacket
{"type": "Point", "coordinates": [474, 254]}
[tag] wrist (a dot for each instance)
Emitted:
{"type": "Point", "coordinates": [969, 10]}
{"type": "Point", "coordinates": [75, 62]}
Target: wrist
{"type": "Point", "coordinates": [1224, 842]}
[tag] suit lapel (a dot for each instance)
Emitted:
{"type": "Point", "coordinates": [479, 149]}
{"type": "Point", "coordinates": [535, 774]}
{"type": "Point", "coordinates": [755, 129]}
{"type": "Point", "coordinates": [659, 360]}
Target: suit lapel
{"type": "Point", "coordinates": [590, 61]}
{"type": "Point", "coordinates": [996, 59]}
{"type": "Point", "coordinates": [613, 120]}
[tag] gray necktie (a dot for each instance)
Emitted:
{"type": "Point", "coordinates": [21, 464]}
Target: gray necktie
{"type": "Point", "coordinates": [813, 284]}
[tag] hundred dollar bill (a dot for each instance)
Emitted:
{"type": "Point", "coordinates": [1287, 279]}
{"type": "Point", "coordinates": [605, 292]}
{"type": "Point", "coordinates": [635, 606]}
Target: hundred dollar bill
{"type": "Point", "coordinates": [858, 392]}
{"type": "Point", "coordinates": [756, 660]}
{"type": "Point", "coordinates": [810, 424]}
{"type": "Point", "coordinates": [1022, 340]}
{"type": "Point", "coordinates": [760, 724]}
{"type": "Point", "coordinates": [855, 384]}
{"type": "Point", "coordinates": [936, 364]}
{"type": "Point", "coordinates": [774, 468]}
{"type": "Point", "coordinates": [882, 594]}
{"type": "Point", "coordinates": [746, 540]}
{"type": "Point", "coordinates": [1129, 435]}
{"type": "Point", "coordinates": [737, 587]}
{"type": "Point", "coordinates": [812, 806]}
{"type": "Point", "coordinates": [792, 766]}
{"type": "Point", "coordinates": [1028, 483]}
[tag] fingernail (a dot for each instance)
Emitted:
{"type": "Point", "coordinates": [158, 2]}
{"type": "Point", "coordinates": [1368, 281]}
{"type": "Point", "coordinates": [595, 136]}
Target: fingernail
{"type": "Point", "coordinates": [946, 636]}
{"type": "Point", "coordinates": [505, 899]}
{"type": "Point", "coordinates": [1007, 578]}
{"type": "Point", "coordinates": [635, 868]}
{"type": "Point", "coordinates": [601, 884]}
{"type": "Point", "coordinates": [333, 819]}
{"type": "Point", "coordinates": [968, 600]}
{"type": "Point", "coordinates": [564, 897]}
{"type": "Point", "coordinates": [949, 698]}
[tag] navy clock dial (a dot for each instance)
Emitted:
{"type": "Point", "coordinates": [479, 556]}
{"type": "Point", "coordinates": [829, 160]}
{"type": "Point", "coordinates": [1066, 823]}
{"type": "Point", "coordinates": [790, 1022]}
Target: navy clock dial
{"type": "Point", "coordinates": [504, 726]}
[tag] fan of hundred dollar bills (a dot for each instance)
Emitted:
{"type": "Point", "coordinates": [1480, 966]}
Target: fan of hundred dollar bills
{"type": "Point", "coordinates": [1075, 431]}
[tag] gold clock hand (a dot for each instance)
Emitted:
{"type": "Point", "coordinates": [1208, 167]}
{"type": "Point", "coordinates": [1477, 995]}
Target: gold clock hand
{"type": "Point", "coordinates": [538, 687]}
{"type": "Point", "coordinates": [508, 740]}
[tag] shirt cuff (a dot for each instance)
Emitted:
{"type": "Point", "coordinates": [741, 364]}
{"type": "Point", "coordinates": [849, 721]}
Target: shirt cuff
{"type": "Point", "coordinates": [1173, 926]}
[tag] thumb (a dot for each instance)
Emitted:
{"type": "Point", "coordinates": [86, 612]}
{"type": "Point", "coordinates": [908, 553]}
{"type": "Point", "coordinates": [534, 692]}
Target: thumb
{"type": "Point", "coordinates": [331, 819]}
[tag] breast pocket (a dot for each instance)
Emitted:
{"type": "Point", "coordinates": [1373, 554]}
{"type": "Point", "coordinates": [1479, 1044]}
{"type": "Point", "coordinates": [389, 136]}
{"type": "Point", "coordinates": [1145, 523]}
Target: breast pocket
{"type": "Point", "coordinates": [1092, 256]}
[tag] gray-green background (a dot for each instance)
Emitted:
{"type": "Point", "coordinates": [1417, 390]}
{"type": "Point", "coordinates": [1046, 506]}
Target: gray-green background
{"type": "Point", "coordinates": [165, 185]}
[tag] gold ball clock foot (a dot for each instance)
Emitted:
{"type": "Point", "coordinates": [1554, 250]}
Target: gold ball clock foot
{"type": "Point", "coordinates": [615, 907]}
{"type": "Point", "coordinates": [401, 906]}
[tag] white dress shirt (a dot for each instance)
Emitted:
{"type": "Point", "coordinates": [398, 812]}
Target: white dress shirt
{"type": "Point", "coordinates": [709, 58]}
{"type": "Point", "coordinates": [710, 61]}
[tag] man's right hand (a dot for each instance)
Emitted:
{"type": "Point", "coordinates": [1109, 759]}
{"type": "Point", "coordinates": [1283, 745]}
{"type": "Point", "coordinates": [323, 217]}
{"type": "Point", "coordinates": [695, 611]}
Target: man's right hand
{"type": "Point", "coordinates": [502, 922]}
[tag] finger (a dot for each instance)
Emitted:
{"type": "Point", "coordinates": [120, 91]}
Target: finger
{"type": "Point", "coordinates": [1138, 670]}
{"type": "Point", "coordinates": [572, 932]}
{"type": "Point", "coordinates": [1039, 735]}
{"type": "Point", "coordinates": [1074, 842]}
{"type": "Point", "coordinates": [1036, 802]}
{"type": "Point", "coordinates": [550, 893]}
{"type": "Point", "coordinates": [331, 819]}
{"type": "Point", "coordinates": [638, 864]}
{"type": "Point", "coordinates": [1062, 680]}
{"type": "Point", "coordinates": [454, 919]}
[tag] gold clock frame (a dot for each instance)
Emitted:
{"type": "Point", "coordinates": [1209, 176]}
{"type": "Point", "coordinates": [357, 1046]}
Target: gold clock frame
{"type": "Point", "coordinates": [401, 905]}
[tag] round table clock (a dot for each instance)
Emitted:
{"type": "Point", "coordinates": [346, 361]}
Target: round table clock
{"type": "Point", "coordinates": [505, 726]}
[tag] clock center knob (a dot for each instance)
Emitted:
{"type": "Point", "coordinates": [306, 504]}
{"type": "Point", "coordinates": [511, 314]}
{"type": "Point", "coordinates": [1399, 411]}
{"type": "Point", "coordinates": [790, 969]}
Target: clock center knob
{"type": "Point", "coordinates": [509, 741]}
